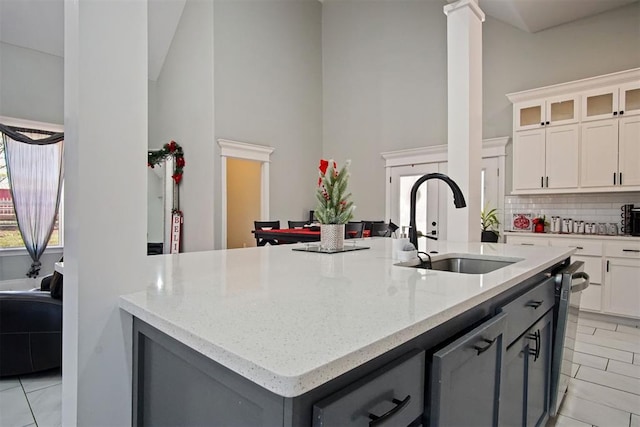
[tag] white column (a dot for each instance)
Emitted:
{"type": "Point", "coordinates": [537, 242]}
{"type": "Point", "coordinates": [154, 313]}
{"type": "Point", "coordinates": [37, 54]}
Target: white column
{"type": "Point", "coordinates": [105, 88]}
{"type": "Point", "coordinates": [464, 64]}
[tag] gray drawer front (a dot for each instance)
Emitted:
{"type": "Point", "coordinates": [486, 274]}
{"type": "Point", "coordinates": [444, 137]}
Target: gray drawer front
{"type": "Point", "coordinates": [528, 308]}
{"type": "Point", "coordinates": [402, 380]}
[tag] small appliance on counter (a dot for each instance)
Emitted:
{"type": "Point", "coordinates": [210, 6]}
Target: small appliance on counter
{"type": "Point", "coordinates": [635, 221]}
{"type": "Point", "coordinates": [626, 219]}
{"type": "Point", "coordinates": [567, 225]}
{"type": "Point", "coordinates": [555, 224]}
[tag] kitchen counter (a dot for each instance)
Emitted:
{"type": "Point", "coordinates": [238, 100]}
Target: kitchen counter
{"type": "Point", "coordinates": [622, 238]}
{"type": "Point", "coordinates": [290, 321]}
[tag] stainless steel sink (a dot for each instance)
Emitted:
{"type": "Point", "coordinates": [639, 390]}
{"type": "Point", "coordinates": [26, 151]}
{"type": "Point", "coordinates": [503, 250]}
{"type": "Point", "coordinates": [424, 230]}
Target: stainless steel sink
{"type": "Point", "coordinates": [466, 264]}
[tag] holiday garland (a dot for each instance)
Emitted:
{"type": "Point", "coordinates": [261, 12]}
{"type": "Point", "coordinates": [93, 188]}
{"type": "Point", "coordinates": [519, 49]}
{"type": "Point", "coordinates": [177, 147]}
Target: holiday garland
{"type": "Point", "coordinates": [171, 149]}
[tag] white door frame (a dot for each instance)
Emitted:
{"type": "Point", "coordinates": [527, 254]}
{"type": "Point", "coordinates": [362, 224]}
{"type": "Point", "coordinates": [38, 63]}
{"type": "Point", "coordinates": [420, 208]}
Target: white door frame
{"type": "Point", "coordinates": [493, 147]}
{"type": "Point", "coordinates": [246, 151]}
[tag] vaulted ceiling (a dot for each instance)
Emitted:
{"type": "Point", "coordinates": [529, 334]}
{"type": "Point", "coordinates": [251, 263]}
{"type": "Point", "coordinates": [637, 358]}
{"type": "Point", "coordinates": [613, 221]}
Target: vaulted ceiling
{"type": "Point", "coordinates": [38, 24]}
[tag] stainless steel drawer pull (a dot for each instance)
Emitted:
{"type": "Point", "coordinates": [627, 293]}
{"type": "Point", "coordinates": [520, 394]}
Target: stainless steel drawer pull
{"type": "Point", "coordinates": [400, 405]}
{"type": "Point", "coordinates": [631, 250]}
{"type": "Point", "coordinates": [526, 244]}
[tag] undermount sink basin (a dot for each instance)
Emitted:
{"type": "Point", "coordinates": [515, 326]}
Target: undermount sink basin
{"type": "Point", "coordinates": [466, 264]}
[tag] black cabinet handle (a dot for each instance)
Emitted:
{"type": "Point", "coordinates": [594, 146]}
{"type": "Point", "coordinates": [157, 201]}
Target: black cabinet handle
{"type": "Point", "coordinates": [547, 123]}
{"type": "Point", "coordinates": [547, 182]}
{"type": "Point", "coordinates": [631, 250]}
{"type": "Point", "coordinates": [615, 113]}
{"type": "Point", "coordinates": [527, 244]}
{"type": "Point", "coordinates": [608, 265]}
{"type": "Point", "coordinates": [621, 112]}
{"type": "Point", "coordinates": [614, 178]}
{"type": "Point", "coordinates": [400, 405]}
{"type": "Point", "coordinates": [541, 123]}
{"type": "Point", "coordinates": [542, 182]}
{"type": "Point", "coordinates": [534, 304]}
{"type": "Point", "coordinates": [620, 180]}
{"type": "Point", "coordinates": [535, 352]}
{"type": "Point", "coordinates": [579, 247]}
{"type": "Point", "coordinates": [485, 345]}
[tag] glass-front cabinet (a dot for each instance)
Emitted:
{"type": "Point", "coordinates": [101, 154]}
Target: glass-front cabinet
{"type": "Point", "coordinates": [549, 112]}
{"type": "Point", "coordinates": [610, 102]}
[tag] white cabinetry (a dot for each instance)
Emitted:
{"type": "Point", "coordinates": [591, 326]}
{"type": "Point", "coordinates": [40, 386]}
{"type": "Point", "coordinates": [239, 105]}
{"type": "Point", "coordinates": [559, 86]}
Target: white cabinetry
{"type": "Point", "coordinates": [612, 101]}
{"type": "Point", "coordinates": [622, 279]}
{"type": "Point", "coordinates": [553, 111]}
{"type": "Point", "coordinates": [589, 252]}
{"type": "Point", "coordinates": [581, 136]}
{"type": "Point", "coordinates": [546, 158]}
{"type": "Point", "coordinates": [611, 153]}
{"type": "Point", "coordinates": [613, 266]}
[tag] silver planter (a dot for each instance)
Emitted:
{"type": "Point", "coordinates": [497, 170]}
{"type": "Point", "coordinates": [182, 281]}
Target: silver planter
{"type": "Point", "coordinates": [332, 237]}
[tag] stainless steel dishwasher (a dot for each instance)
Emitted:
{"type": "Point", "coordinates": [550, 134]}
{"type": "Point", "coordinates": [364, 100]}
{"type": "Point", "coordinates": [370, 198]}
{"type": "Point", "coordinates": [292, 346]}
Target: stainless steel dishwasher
{"type": "Point", "coordinates": [570, 283]}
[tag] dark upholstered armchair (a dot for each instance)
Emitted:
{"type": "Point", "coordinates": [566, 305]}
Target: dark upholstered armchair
{"type": "Point", "coordinates": [30, 332]}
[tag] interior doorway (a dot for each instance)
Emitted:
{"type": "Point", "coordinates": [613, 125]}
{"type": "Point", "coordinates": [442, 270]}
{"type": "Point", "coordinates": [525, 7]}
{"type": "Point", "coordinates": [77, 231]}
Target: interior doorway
{"type": "Point", "coordinates": [243, 201]}
{"type": "Point", "coordinates": [260, 156]}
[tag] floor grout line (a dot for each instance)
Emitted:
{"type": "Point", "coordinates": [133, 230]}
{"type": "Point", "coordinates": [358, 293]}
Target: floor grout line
{"type": "Point", "coordinates": [33, 416]}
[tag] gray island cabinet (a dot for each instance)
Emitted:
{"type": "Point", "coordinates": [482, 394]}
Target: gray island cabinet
{"type": "Point", "coordinates": [354, 341]}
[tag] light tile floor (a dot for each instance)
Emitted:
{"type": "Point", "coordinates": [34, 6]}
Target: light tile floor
{"type": "Point", "coordinates": [31, 400]}
{"type": "Point", "coordinates": [604, 390]}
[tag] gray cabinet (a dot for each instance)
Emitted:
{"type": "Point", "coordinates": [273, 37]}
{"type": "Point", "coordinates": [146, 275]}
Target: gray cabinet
{"type": "Point", "coordinates": [390, 396]}
{"type": "Point", "coordinates": [526, 387]}
{"type": "Point", "coordinates": [466, 377]}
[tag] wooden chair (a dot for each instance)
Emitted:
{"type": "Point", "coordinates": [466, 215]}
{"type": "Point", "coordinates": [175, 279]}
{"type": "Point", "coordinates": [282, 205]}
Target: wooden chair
{"type": "Point", "coordinates": [353, 230]}
{"type": "Point", "coordinates": [380, 230]}
{"type": "Point", "coordinates": [297, 224]}
{"type": "Point", "coordinates": [261, 225]}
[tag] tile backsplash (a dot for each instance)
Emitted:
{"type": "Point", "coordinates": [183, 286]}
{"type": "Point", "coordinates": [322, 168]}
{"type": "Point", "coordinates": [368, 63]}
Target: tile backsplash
{"type": "Point", "coordinates": [581, 207]}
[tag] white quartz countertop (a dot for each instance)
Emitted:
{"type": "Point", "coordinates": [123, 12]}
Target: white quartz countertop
{"type": "Point", "coordinates": [618, 237]}
{"type": "Point", "coordinates": [290, 321]}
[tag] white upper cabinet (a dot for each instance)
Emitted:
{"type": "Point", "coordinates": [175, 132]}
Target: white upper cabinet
{"type": "Point", "coordinates": [629, 103]}
{"type": "Point", "coordinates": [629, 151]}
{"type": "Point", "coordinates": [611, 153]}
{"type": "Point", "coordinates": [559, 110]}
{"type": "Point", "coordinates": [580, 136]}
{"type": "Point", "coordinates": [611, 102]}
{"type": "Point", "coordinates": [546, 158]}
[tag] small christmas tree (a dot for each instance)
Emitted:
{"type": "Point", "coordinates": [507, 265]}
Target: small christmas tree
{"type": "Point", "coordinates": [334, 207]}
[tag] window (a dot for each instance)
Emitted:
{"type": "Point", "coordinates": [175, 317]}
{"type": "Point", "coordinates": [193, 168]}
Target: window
{"type": "Point", "coordinates": [10, 237]}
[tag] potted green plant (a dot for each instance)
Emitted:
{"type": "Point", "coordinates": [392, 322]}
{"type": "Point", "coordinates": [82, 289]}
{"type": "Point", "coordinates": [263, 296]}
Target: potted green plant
{"type": "Point", "coordinates": [335, 207]}
{"type": "Point", "coordinates": [489, 223]}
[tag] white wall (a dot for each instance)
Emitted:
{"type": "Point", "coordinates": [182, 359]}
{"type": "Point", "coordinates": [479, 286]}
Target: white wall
{"type": "Point", "coordinates": [515, 60]}
{"type": "Point", "coordinates": [385, 77]}
{"type": "Point", "coordinates": [181, 109]}
{"type": "Point", "coordinates": [31, 84]}
{"type": "Point", "coordinates": [385, 87]}
{"type": "Point", "coordinates": [268, 91]}
{"type": "Point", "coordinates": [105, 204]}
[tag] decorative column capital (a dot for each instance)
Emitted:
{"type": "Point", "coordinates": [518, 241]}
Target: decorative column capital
{"type": "Point", "coordinates": [461, 4]}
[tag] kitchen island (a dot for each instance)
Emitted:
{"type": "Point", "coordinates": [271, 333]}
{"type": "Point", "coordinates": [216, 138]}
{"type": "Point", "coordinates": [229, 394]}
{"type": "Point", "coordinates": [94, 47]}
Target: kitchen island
{"type": "Point", "coordinates": [274, 333]}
